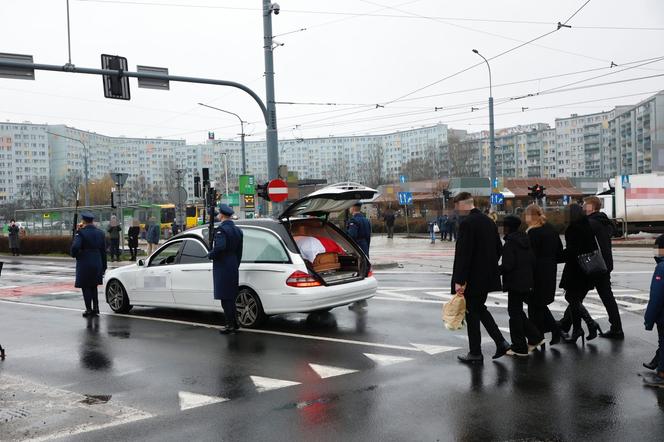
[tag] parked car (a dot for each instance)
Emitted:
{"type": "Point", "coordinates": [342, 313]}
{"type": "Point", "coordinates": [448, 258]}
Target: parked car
{"type": "Point", "coordinates": [275, 276]}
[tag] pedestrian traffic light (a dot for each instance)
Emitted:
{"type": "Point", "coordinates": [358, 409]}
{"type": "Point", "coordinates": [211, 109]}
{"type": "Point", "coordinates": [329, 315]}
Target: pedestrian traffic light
{"type": "Point", "coordinates": [197, 186]}
{"type": "Point", "coordinates": [261, 190]}
{"type": "Point", "coordinates": [113, 200]}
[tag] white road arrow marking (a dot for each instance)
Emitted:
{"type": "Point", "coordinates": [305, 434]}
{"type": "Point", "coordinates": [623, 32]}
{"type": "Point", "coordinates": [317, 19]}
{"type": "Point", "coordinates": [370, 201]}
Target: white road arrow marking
{"type": "Point", "coordinates": [326, 371]}
{"type": "Point", "coordinates": [192, 400]}
{"type": "Point", "coordinates": [434, 349]}
{"type": "Point", "coordinates": [385, 360]}
{"type": "Point", "coordinates": [266, 384]}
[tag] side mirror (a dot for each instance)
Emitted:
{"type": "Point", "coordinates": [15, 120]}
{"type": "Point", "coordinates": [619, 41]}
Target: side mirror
{"type": "Point", "coordinates": [140, 263]}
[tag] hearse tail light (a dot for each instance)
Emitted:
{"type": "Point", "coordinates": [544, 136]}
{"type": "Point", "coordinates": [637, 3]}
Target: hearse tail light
{"type": "Point", "coordinates": [301, 279]}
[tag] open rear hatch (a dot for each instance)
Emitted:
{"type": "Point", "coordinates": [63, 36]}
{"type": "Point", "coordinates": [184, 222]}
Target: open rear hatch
{"type": "Point", "coordinates": [328, 252]}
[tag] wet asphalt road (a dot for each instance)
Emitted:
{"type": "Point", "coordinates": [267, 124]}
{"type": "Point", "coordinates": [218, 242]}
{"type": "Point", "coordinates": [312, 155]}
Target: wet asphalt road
{"type": "Point", "coordinates": [388, 374]}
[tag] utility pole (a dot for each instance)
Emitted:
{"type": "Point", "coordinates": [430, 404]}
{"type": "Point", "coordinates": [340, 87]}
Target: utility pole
{"type": "Point", "coordinates": [225, 154]}
{"type": "Point", "coordinates": [271, 132]}
{"type": "Point", "coordinates": [178, 216]}
{"type": "Point", "coordinates": [492, 135]}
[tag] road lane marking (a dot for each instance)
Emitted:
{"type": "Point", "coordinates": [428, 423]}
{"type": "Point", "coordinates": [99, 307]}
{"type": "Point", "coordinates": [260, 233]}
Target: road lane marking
{"type": "Point", "coordinates": [434, 349]}
{"type": "Point", "coordinates": [218, 327]}
{"type": "Point", "coordinates": [327, 371]}
{"type": "Point", "coordinates": [385, 360]}
{"type": "Point", "coordinates": [267, 384]}
{"type": "Point", "coordinates": [190, 400]}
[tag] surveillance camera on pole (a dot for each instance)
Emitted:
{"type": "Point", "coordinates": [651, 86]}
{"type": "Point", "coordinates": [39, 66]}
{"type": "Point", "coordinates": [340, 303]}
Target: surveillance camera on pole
{"type": "Point", "coordinates": [274, 7]}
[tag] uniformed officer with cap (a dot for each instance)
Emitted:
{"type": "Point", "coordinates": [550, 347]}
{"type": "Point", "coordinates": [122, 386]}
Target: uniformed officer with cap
{"type": "Point", "coordinates": [226, 256]}
{"type": "Point", "coordinates": [359, 228]}
{"type": "Point", "coordinates": [89, 249]}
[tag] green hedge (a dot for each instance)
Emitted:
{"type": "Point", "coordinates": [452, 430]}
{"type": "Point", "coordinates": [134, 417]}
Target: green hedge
{"type": "Point", "coordinates": [36, 245]}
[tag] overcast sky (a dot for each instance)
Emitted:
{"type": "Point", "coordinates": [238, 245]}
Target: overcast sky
{"type": "Point", "coordinates": [354, 53]}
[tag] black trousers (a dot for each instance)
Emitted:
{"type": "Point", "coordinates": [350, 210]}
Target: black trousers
{"type": "Point", "coordinates": [476, 313]}
{"type": "Point", "coordinates": [540, 315]}
{"type": "Point", "coordinates": [91, 298]}
{"type": "Point", "coordinates": [575, 299]}
{"type": "Point", "coordinates": [115, 247]}
{"type": "Point", "coordinates": [522, 330]}
{"type": "Point", "coordinates": [602, 284]}
{"type": "Point", "coordinates": [660, 350]}
{"type": "Point", "coordinates": [133, 251]}
{"type": "Point", "coordinates": [229, 312]}
{"type": "Point", "coordinates": [390, 231]}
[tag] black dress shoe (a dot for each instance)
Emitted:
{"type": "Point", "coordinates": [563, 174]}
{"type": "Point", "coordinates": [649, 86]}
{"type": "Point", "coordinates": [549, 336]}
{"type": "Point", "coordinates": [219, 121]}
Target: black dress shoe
{"type": "Point", "coordinates": [87, 313]}
{"type": "Point", "coordinates": [501, 350]}
{"type": "Point", "coordinates": [228, 330]}
{"type": "Point", "coordinates": [471, 359]}
{"type": "Point", "coordinates": [614, 334]}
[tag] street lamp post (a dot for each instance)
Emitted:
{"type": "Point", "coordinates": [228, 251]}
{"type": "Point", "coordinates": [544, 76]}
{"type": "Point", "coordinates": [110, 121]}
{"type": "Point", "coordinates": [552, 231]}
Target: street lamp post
{"type": "Point", "coordinates": [225, 154]}
{"type": "Point", "coordinates": [85, 164]}
{"type": "Point", "coordinates": [242, 134]}
{"type": "Point", "coordinates": [492, 135]}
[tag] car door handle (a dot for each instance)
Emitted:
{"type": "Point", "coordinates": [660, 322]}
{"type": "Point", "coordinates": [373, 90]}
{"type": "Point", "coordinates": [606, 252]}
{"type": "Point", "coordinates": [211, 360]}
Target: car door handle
{"type": "Point", "coordinates": [196, 270]}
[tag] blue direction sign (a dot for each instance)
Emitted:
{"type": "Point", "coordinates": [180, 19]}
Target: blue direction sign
{"type": "Point", "coordinates": [402, 179]}
{"type": "Point", "coordinates": [566, 199]}
{"type": "Point", "coordinates": [405, 198]}
{"type": "Point", "coordinates": [497, 198]}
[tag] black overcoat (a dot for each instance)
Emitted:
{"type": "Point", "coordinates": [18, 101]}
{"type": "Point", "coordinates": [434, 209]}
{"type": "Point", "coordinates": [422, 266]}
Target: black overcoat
{"type": "Point", "coordinates": [476, 254]}
{"type": "Point", "coordinates": [89, 249]}
{"type": "Point", "coordinates": [579, 239]}
{"type": "Point", "coordinates": [548, 250]}
{"type": "Point", "coordinates": [518, 267]}
{"type": "Point", "coordinates": [226, 256]}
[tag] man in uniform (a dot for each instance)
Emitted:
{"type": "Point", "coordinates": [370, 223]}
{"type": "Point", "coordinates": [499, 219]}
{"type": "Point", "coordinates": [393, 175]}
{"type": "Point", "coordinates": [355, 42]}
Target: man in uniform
{"type": "Point", "coordinates": [359, 228]}
{"type": "Point", "coordinates": [89, 249]}
{"type": "Point", "coordinates": [226, 256]}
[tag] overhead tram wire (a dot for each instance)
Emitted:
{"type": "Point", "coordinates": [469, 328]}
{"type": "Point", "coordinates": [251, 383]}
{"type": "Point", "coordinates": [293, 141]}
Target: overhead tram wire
{"type": "Point", "coordinates": [401, 126]}
{"type": "Point", "coordinates": [372, 14]}
{"type": "Point", "coordinates": [498, 101]}
{"type": "Point", "coordinates": [490, 58]}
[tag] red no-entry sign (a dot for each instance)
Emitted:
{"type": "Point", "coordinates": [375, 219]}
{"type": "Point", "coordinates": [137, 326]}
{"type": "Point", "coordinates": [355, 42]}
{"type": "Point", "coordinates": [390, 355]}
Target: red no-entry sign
{"type": "Point", "coordinates": [277, 190]}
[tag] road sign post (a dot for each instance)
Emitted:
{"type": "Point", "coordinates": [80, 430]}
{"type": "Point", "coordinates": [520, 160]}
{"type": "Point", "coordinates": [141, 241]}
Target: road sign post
{"type": "Point", "coordinates": [406, 199]}
{"type": "Point", "coordinates": [624, 182]}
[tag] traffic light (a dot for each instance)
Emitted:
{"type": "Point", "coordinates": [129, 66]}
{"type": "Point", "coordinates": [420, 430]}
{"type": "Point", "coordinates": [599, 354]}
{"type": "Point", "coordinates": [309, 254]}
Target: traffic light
{"type": "Point", "coordinates": [540, 192]}
{"type": "Point", "coordinates": [537, 191]}
{"type": "Point", "coordinates": [113, 200]}
{"type": "Point", "coordinates": [446, 194]}
{"type": "Point", "coordinates": [261, 190]}
{"type": "Point", "coordinates": [197, 186]}
{"type": "Point", "coordinates": [206, 177]}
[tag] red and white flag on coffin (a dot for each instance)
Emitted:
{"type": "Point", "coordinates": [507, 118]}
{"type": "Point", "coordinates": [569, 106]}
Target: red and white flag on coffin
{"type": "Point", "coordinates": [311, 246]}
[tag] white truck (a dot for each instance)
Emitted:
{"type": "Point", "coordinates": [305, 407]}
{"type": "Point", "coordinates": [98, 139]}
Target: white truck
{"type": "Point", "coordinates": [643, 210]}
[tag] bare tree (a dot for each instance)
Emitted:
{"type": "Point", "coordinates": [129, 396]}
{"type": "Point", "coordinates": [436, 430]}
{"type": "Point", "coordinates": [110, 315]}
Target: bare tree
{"type": "Point", "coordinates": [139, 190]}
{"type": "Point", "coordinates": [372, 173]}
{"type": "Point", "coordinates": [35, 192]}
{"type": "Point", "coordinates": [338, 171]}
{"type": "Point", "coordinates": [65, 191]}
{"type": "Point", "coordinates": [461, 157]}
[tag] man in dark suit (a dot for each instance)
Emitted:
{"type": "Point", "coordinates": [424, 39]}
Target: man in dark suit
{"type": "Point", "coordinates": [476, 273]}
{"type": "Point", "coordinates": [226, 255]}
{"type": "Point", "coordinates": [89, 249]}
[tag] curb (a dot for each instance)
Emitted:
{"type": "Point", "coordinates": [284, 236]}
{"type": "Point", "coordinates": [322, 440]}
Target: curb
{"type": "Point", "coordinates": [384, 265]}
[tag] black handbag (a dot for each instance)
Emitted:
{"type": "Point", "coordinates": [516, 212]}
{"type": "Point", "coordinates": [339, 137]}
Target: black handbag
{"type": "Point", "coordinates": [592, 263]}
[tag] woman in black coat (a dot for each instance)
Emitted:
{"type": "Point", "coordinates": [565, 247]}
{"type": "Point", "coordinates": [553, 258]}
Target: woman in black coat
{"type": "Point", "coordinates": [579, 239]}
{"type": "Point", "coordinates": [548, 250]}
